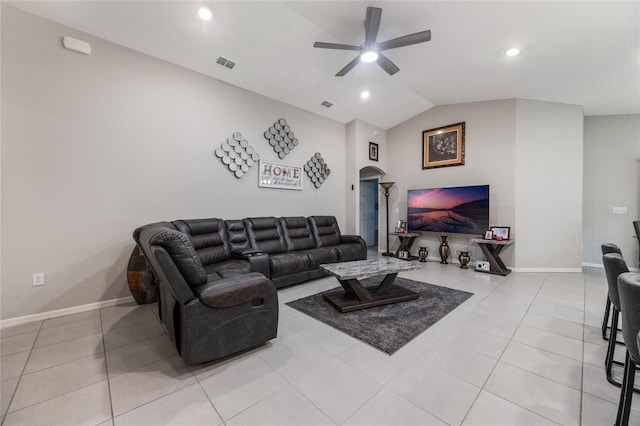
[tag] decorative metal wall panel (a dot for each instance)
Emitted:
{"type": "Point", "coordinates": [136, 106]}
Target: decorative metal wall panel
{"type": "Point", "coordinates": [281, 138]}
{"type": "Point", "coordinates": [317, 169]}
{"type": "Point", "coordinates": [237, 155]}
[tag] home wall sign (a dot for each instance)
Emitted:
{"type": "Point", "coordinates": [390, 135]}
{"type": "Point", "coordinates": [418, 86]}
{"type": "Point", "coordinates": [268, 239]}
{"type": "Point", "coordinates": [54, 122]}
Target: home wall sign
{"type": "Point", "coordinates": [282, 176]}
{"type": "Point", "coordinates": [237, 155]}
{"type": "Point", "coordinates": [281, 138]}
{"type": "Point", "coordinates": [317, 169]}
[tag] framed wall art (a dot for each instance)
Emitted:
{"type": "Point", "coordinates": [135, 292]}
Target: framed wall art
{"type": "Point", "coordinates": [443, 146]}
{"type": "Point", "coordinates": [373, 151]}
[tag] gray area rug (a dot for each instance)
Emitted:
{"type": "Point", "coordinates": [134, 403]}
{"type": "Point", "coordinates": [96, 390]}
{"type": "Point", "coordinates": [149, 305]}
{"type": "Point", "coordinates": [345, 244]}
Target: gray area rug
{"type": "Point", "coordinates": [389, 327]}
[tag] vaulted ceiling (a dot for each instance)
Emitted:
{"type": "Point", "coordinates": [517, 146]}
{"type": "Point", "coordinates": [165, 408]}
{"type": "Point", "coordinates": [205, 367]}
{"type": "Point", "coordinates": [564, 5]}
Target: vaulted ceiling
{"type": "Point", "coordinates": [581, 53]}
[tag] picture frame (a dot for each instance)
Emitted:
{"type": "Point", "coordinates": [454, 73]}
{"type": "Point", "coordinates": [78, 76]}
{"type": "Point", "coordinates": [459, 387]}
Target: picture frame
{"type": "Point", "coordinates": [488, 235]}
{"type": "Point", "coordinates": [402, 226]}
{"type": "Point", "coordinates": [443, 146]}
{"type": "Point", "coordinates": [403, 254]}
{"type": "Point", "coordinates": [501, 231]}
{"type": "Point", "coordinates": [373, 151]}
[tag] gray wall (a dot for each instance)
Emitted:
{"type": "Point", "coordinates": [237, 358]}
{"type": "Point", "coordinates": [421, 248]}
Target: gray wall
{"type": "Point", "coordinates": [489, 159]}
{"type": "Point", "coordinates": [549, 186]}
{"type": "Point", "coordinates": [529, 152]}
{"type": "Point", "coordinates": [359, 134]}
{"type": "Point", "coordinates": [611, 179]}
{"type": "Point", "coordinates": [94, 146]}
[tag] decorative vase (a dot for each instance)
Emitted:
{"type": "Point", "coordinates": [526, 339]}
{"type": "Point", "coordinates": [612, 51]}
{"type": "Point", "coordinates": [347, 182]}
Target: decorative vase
{"type": "Point", "coordinates": [444, 249]}
{"type": "Point", "coordinates": [142, 283]}
{"type": "Point", "coordinates": [423, 253]}
{"type": "Point", "coordinates": [464, 257]}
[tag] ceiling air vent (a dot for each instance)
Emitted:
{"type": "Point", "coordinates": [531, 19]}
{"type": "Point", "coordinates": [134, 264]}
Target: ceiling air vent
{"type": "Point", "coordinates": [225, 62]}
{"type": "Point", "coordinates": [327, 104]}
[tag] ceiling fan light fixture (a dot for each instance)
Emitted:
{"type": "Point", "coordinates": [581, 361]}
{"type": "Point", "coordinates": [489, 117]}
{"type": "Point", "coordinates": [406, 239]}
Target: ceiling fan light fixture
{"type": "Point", "coordinates": [369, 56]}
{"type": "Point", "coordinates": [205, 14]}
{"type": "Point", "coordinates": [514, 51]}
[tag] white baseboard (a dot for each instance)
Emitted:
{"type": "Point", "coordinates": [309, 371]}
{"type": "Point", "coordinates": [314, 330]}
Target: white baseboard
{"type": "Point", "coordinates": [556, 270]}
{"type": "Point", "coordinates": [62, 312]}
{"type": "Point", "coordinates": [601, 266]}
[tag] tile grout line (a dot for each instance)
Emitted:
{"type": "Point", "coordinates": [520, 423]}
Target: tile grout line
{"type": "Point", "coordinates": [482, 388]}
{"type": "Point", "coordinates": [584, 317]}
{"type": "Point", "coordinates": [224, 422]}
{"type": "Point", "coordinates": [6, 414]}
{"type": "Point", "coordinates": [118, 375]}
{"type": "Point", "coordinates": [106, 368]}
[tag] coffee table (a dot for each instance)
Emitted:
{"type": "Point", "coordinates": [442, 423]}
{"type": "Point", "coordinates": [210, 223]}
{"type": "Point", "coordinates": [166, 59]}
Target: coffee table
{"type": "Point", "coordinates": [356, 296]}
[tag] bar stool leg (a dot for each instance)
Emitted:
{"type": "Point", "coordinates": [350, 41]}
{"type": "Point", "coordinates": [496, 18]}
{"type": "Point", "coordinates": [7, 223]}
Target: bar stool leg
{"type": "Point", "coordinates": [605, 321]}
{"type": "Point", "coordinates": [626, 392]}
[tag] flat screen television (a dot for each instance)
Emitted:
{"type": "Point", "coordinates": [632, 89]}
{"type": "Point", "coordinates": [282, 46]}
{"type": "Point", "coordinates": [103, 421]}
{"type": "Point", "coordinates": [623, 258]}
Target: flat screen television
{"type": "Point", "coordinates": [457, 210]}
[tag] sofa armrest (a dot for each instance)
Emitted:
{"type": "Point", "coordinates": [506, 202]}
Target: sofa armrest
{"type": "Point", "coordinates": [345, 239]}
{"type": "Point", "coordinates": [356, 239]}
{"type": "Point", "coordinates": [246, 253]}
{"type": "Point", "coordinates": [232, 291]}
{"type": "Point", "coordinates": [260, 263]}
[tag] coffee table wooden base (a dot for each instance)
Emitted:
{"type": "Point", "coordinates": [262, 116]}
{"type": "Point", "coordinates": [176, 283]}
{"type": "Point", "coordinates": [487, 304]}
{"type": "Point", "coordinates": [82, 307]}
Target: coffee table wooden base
{"type": "Point", "coordinates": [356, 296]}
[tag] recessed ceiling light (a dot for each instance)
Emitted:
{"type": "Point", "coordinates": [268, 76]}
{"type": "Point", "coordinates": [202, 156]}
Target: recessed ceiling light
{"type": "Point", "coordinates": [369, 56]}
{"type": "Point", "coordinates": [512, 52]}
{"type": "Point", "coordinates": [205, 14]}
{"type": "Point", "coordinates": [365, 94]}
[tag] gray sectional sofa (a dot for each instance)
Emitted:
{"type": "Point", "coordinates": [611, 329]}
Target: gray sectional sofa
{"type": "Point", "coordinates": [217, 278]}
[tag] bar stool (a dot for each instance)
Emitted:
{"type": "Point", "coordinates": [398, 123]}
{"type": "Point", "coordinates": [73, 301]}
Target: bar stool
{"type": "Point", "coordinates": [636, 226]}
{"type": "Point", "coordinates": [629, 291]}
{"type": "Point", "coordinates": [608, 248]}
{"type": "Point", "coordinates": [614, 265]}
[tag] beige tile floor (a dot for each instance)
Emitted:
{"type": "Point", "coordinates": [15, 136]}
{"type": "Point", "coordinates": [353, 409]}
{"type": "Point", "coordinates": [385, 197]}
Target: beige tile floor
{"type": "Point", "coordinates": [524, 350]}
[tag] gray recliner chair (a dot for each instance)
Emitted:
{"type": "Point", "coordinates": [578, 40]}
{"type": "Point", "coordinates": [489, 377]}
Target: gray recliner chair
{"type": "Point", "coordinates": [207, 314]}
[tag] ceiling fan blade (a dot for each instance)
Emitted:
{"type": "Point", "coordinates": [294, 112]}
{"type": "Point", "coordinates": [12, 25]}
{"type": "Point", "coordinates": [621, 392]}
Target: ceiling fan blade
{"type": "Point", "coordinates": [386, 64]}
{"type": "Point", "coordinates": [336, 46]}
{"type": "Point", "coordinates": [348, 67]}
{"type": "Point", "coordinates": [372, 25]}
{"type": "Point", "coordinates": [407, 40]}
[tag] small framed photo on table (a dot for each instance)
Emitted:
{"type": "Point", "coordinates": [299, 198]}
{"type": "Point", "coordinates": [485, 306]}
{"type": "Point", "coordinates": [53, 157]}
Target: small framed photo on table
{"type": "Point", "coordinates": [488, 235]}
{"type": "Point", "coordinates": [500, 231]}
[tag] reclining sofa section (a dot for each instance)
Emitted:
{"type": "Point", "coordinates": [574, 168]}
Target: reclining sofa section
{"type": "Point", "coordinates": [217, 278]}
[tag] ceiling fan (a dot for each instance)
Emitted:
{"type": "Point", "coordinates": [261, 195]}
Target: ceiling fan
{"type": "Point", "coordinates": [370, 50]}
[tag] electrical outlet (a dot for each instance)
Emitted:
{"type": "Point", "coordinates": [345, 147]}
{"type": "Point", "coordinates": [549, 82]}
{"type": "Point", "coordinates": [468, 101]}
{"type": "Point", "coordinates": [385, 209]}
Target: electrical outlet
{"type": "Point", "coordinates": [619, 211]}
{"type": "Point", "coordinates": [38, 279]}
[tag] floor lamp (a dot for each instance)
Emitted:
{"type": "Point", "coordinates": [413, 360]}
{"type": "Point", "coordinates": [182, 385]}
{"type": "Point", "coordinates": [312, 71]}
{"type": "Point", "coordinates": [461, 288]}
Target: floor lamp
{"type": "Point", "coordinates": [387, 186]}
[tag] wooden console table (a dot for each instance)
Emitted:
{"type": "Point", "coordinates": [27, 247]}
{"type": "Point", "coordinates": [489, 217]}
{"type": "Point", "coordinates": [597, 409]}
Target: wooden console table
{"type": "Point", "coordinates": [491, 250]}
{"type": "Point", "coordinates": [406, 241]}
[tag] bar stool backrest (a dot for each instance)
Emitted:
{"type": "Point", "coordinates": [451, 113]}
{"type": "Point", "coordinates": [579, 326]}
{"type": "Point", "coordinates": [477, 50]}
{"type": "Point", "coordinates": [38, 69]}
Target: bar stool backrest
{"type": "Point", "coordinates": [629, 289]}
{"type": "Point", "coordinates": [614, 265]}
{"type": "Point", "coordinates": [610, 248]}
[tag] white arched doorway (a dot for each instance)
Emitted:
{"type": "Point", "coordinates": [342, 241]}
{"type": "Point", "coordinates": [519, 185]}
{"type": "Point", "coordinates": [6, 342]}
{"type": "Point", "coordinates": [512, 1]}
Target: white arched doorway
{"type": "Point", "coordinates": [369, 201]}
